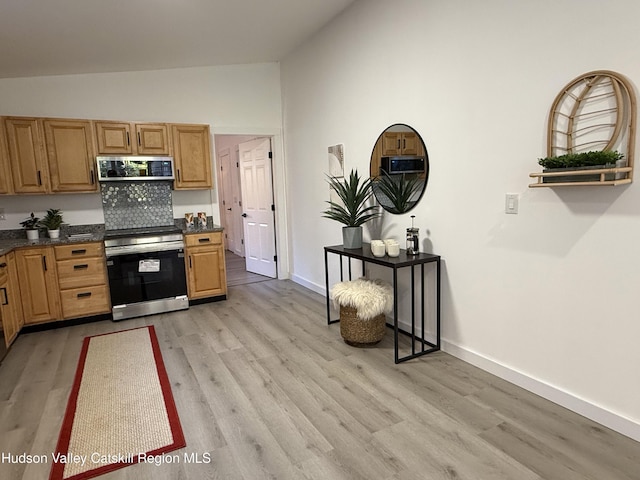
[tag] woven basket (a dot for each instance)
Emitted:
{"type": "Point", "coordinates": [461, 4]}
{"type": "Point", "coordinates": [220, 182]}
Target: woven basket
{"type": "Point", "coordinates": [360, 333]}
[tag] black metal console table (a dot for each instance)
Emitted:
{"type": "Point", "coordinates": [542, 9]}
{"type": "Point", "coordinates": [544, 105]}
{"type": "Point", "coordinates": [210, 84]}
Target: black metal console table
{"type": "Point", "coordinates": [403, 260]}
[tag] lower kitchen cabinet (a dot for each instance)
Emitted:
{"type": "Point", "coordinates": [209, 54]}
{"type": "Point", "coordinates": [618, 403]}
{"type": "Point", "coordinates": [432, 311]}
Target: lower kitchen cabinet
{"type": "Point", "coordinates": [206, 272]}
{"type": "Point", "coordinates": [82, 280]}
{"type": "Point", "coordinates": [38, 284]}
{"type": "Point", "coordinates": [10, 307]}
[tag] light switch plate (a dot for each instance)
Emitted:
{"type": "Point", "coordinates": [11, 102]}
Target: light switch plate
{"type": "Point", "coordinates": [511, 203]}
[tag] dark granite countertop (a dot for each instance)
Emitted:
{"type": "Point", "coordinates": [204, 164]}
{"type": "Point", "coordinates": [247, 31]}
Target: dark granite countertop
{"type": "Point", "coordinates": [6, 245]}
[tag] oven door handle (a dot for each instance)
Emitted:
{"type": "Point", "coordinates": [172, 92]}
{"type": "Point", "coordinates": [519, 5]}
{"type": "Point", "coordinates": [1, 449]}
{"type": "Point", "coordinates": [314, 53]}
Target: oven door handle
{"type": "Point", "coordinates": [144, 248]}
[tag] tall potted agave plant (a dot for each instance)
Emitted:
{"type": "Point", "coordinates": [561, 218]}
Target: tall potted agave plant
{"type": "Point", "coordinates": [398, 193]}
{"type": "Point", "coordinates": [354, 211]}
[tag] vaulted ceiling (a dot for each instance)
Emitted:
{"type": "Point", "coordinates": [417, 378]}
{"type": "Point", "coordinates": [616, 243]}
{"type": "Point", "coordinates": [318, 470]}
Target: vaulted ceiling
{"type": "Point", "coordinates": [54, 37]}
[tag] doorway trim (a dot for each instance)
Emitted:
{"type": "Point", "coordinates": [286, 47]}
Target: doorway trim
{"type": "Point", "coordinates": [279, 189]}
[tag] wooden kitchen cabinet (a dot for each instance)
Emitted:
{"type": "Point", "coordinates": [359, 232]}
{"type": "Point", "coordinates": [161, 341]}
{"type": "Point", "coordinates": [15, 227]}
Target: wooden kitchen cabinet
{"type": "Point", "coordinates": [38, 284]}
{"type": "Point", "coordinates": [10, 307]}
{"type": "Point", "coordinates": [192, 156]}
{"type": "Point", "coordinates": [26, 155]}
{"type": "Point", "coordinates": [401, 143]}
{"type": "Point", "coordinates": [6, 185]}
{"type": "Point", "coordinates": [82, 279]}
{"type": "Point", "coordinates": [152, 139]}
{"type": "Point", "coordinates": [126, 138]}
{"type": "Point", "coordinates": [205, 265]}
{"type": "Point", "coordinates": [114, 138]}
{"type": "Point", "coordinates": [70, 154]}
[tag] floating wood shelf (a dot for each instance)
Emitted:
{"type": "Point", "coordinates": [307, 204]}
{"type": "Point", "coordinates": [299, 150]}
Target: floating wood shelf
{"type": "Point", "coordinates": [622, 172]}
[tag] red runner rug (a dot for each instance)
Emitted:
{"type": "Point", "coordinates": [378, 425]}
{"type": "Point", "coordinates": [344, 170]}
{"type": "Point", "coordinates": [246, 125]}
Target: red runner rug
{"type": "Point", "coordinates": [121, 409]}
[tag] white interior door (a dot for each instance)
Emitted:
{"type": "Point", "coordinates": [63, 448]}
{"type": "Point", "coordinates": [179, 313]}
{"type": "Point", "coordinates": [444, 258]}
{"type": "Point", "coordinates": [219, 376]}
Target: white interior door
{"type": "Point", "coordinates": [257, 202]}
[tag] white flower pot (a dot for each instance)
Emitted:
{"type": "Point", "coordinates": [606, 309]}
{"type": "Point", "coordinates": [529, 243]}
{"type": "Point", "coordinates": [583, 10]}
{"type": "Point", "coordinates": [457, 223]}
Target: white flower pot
{"type": "Point", "coordinates": [54, 233]}
{"type": "Point", "coordinates": [33, 234]}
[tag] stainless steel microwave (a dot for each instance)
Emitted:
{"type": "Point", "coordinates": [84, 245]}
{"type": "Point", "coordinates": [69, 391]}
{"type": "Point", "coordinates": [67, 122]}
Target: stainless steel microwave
{"type": "Point", "coordinates": [134, 168]}
{"type": "Point", "coordinates": [402, 164]}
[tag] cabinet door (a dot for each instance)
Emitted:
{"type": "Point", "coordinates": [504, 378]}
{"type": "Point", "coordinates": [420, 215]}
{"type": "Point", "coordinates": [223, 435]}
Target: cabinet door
{"type": "Point", "coordinates": [410, 143]}
{"type": "Point", "coordinates": [70, 153]}
{"type": "Point", "coordinates": [391, 144]}
{"type": "Point", "coordinates": [38, 286]}
{"type": "Point", "coordinates": [26, 155]}
{"type": "Point", "coordinates": [152, 139]}
{"type": "Point", "coordinates": [192, 156]}
{"type": "Point", "coordinates": [114, 137]}
{"type": "Point", "coordinates": [10, 300]}
{"type": "Point", "coordinates": [6, 185]}
{"type": "Point", "coordinates": [206, 272]}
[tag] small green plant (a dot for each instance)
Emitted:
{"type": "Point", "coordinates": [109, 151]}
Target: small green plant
{"type": "Point", "coordinates": [31, 222]}
{"type": "Point", "coordinates": [399, 189]}
{"type": "Point", "coordinates": [52, 220]}
{"type": "Point", "coordinates": [583, 159]}
{"type": "Point", "coordinates": [354, 212]}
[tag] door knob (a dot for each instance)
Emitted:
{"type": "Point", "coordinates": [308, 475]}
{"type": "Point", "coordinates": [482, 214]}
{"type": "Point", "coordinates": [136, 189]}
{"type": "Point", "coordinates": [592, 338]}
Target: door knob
{"type": "Point", "coordinates": [244, 215]}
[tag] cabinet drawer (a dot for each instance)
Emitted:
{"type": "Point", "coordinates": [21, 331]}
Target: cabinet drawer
{"type": "Point", "coordinates": [80, 272]}
{"type": "Point", "coordinates": [210, 238]}
{"type": "Point", "coordinates": [82, 302]}
{"type": "Point", "coordinates": [79, 250]}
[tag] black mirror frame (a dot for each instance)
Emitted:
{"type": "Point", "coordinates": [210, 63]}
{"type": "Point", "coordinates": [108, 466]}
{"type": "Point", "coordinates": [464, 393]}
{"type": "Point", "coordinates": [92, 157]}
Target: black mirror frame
{"type": "Point", "coordinates": [387, 207]}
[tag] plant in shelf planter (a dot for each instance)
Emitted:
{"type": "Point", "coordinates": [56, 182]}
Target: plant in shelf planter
{"type": "Point", "coordinates": [52, 221]}
{"type": "Point", "coordinates": [572, 162]}
{"type": "Point", "coordinates": [353, 212]}
{"type": "Point", "coordinates": [30, 224]}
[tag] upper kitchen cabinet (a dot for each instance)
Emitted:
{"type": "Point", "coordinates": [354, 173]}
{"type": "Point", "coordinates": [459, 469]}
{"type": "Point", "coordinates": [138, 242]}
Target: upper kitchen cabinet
{"type": "Point", "coordinates": [70, 152]}
{"type": "Point", "coordinates": [192, 156]}
{"type": "Point", "coordinates": [114, 138]}
{"type": "Point", "coordinates": [401, 143]}
{"type": "Point", "coordinates": [124, 138]}
{"type": "Point", "coordinates": [6, 186]}
{"type": "Point", "coordinates": [152, 138]}
{"type": "Point", "coordinates": [26, 155]}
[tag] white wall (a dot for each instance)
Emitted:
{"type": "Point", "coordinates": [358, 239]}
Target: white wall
{"type": "Point", "coordinates": [546, 298]}
{"type": "Point", "coordinates": [232, 99]}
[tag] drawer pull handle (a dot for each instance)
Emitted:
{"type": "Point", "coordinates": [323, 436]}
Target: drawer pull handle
{"type": "Point", "coordinates": [79, 252]}
{"type": "Point", "coordinates": [2, 265]}
{"type": "Point", "coordinates": [84, 294]}
{"type": "Point", "coordinates": [6, 298]}
{"type": "Point", "coordinates": [203, 240]}
{"type": "Point", "coordinates": [80, 267]}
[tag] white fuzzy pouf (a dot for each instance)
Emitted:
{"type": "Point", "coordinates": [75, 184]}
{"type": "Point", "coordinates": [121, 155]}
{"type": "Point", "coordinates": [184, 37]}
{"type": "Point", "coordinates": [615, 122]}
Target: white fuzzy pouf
{"type": "Point", "coordinates": [369, 297]}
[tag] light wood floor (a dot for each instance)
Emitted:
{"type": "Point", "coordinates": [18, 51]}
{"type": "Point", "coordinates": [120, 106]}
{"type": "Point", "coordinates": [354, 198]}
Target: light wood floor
{"type": "Point", "coordinates": [237, 272]}
{"type": "Point", "coordinates": [272, 392]}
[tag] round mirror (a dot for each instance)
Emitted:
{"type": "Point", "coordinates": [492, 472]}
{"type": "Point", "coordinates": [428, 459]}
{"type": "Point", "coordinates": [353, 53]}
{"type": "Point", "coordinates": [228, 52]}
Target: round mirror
{"type": "Point", "coordinates": [399, 168]}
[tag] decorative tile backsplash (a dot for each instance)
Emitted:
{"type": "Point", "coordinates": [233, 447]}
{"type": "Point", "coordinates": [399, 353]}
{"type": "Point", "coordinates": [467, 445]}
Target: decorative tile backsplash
{"type": "Point", "coordinates": [136, 204]}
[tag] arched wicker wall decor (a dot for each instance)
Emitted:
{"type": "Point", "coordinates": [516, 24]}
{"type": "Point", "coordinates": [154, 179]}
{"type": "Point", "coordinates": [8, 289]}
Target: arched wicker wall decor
{"type": "Point", "coordinates": [595, 111]}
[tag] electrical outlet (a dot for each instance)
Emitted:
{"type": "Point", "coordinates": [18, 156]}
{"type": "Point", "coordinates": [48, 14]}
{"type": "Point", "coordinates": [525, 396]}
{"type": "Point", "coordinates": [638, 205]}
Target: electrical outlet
{"type": "Point", "coordinates": [511, 203]}
{"type": "Point", "coordinates": [2, 217]}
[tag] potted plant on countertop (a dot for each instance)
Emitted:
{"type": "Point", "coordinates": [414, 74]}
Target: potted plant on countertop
{"type": "Point", "coordinates": [353, 212]}
{"type": "Point", "coordinates": [571, 162]}
{"type": "Point", "coordinates": [30, 224]}
{"type": "Point", "coordinates": [52, 221]}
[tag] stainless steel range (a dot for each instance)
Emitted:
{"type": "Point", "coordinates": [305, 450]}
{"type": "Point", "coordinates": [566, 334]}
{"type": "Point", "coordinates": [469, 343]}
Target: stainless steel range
{"type": "Point", "coordinates": [146, 271]}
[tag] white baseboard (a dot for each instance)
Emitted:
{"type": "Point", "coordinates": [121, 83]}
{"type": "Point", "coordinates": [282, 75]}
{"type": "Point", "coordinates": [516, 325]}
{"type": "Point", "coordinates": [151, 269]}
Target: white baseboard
{"type": "Point", "coordinates": [614, 421]}
{"type": "Point", "coordinates": [310, 285]}
{"type": "Point", "coordinates": [605, 417]}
